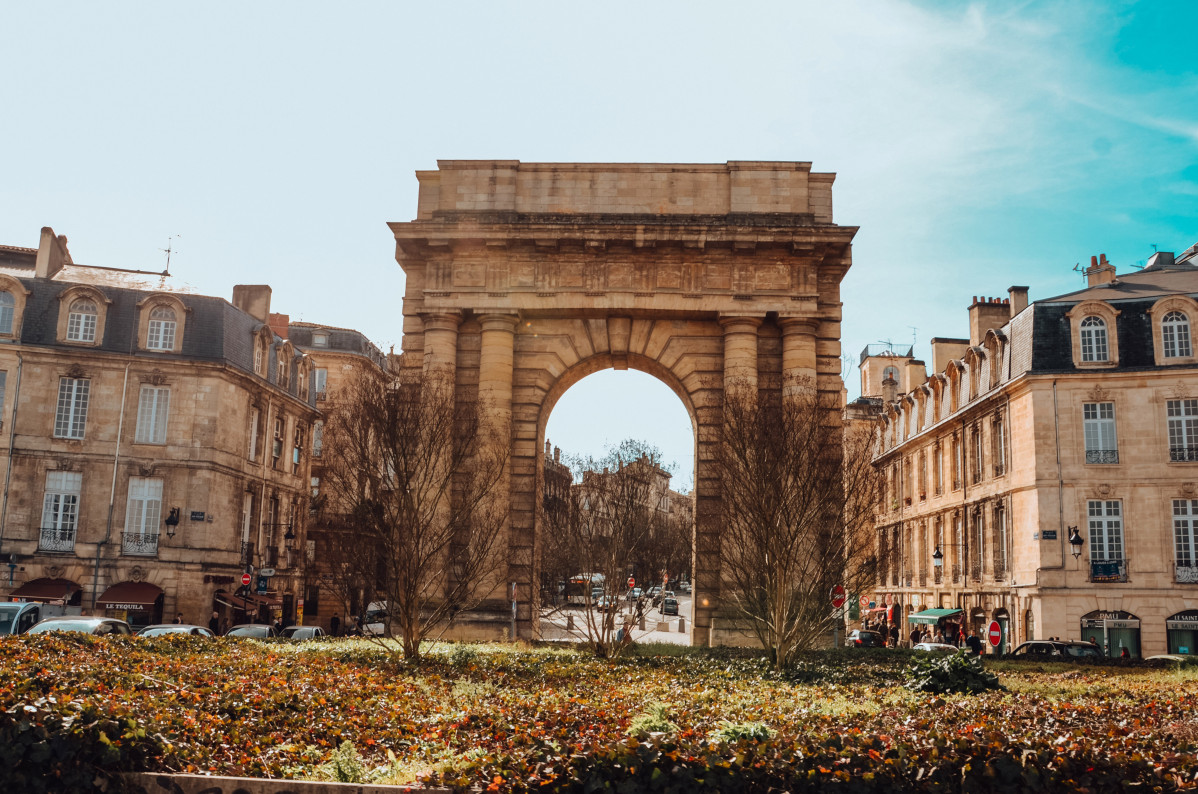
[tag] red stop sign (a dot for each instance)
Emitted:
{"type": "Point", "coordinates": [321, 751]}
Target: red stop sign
{"type": "Point", "coordinates": [837, 596]}
{"type": "Point", "coordinates": [631, 582]}
{"type": "Point", "coordinates": [245, 578]}
{"type": "Point", "coordinates": [994, 633]}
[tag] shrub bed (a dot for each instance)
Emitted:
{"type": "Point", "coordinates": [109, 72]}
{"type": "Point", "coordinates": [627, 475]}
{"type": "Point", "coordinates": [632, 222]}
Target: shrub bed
{"type": "Point", "coordinates": [551, 719]}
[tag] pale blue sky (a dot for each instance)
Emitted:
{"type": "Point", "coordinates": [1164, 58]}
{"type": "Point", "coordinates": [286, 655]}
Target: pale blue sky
{"type": "Point", "coordinates": [976, 145]}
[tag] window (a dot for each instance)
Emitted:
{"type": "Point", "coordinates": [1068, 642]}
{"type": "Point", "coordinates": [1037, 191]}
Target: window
{"type": "Point", "coordinates": [1000, 540]}
{"type": "Point", "coordinates": [282, 374]}
{"type": "Point", "coordinates": [152, 409]}
{"type": "Point", "coordinates": [259, 358]}
{"type": "Point", "coordinates": [320, 340]}
{"type": "Point", "coordinates": [315, 485]}
{"type": "Point", "coordinates": [1106, 530]}
{"type": "Point", "coordinates": [317, 438]}
{"type": "Point", "coordinates": [978, 461]}
{"type": "Point", "coordinates": [254, 418]}
{"type": "Point", "coordinates": [297, 446]}
{"type": "Point", "coordinates": [143, 516]}
{"type": "Point", "coordinates": [3, 385]}
{"type": "Point", "coordinates": [998, 440]}
{"type": "Point", "coordinates": [923, 474]}
{"type": "Point", "coordinates": [247, 513]}
{"type": "Point", "coordinates": [60, 511]}
{"type": "Point", "coordinates": [1094, 342]}
{"type": "Point", "coordinates": [1185, 532]}
{"type": "Point", "coordinates": [1098, 420]}
{"type": "Point", "coordinates": [276, 448]}
{"type": "Point", "coordinates": [937, 469]}
{"type": "Point", "coordinates": [7, 309]}
{"type": "Point", "coordinates": [161, 335]}
{"type": "Point", "coordinates": [322, 381]}
{"type": "Point", "coordinates": [1183, 429]}
{"type": "Point", "coordinates": [81, 321]}
{"type": "Point", "coordinates": [956, 450]}
{"type": "Point", "coordinates": [1175, 335]}
{"type": "Point", "coordinates": [70, 418]}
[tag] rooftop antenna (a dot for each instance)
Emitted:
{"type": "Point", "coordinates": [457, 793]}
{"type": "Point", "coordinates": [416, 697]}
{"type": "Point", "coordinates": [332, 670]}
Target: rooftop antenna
{"type": "Point", "coordinates": [914, 337]}
{"type": "Point", "coordinates": [889, 346]}
{"type": "Point", "coordinates": [167, 251]}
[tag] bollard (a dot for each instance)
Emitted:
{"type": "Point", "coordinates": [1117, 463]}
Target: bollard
{"type": "Point", "coordinates": [569, 623]}
{"type": "Point", "coordinates": [682, 625]}
{"type": "Point", "coordinates": [642, 623]}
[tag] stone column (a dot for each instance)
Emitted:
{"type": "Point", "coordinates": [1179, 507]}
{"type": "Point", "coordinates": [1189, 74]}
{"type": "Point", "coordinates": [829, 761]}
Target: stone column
{"type": "Point", "coordinates": [495, 372]}
{"type": "Point", "coordinates": [740, 355]}
{"type": "Point", "coordinates": [798, 356]}
{"type": "Point", "coordinates": [441, 343]}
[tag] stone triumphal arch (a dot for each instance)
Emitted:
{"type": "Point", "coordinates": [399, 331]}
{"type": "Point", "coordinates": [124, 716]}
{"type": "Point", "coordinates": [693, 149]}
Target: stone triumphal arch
{"type": "Point", "coordinates": [522, 278]}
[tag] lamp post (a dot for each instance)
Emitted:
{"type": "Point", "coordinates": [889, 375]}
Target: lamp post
{"type": "Point", "coordinates": [172, 521]}
{"type": "Point", "coordinates": [1076, 541]}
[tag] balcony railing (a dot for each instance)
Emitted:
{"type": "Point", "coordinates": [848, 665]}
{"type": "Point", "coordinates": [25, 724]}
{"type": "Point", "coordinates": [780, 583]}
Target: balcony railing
{"type": "Point", "coordinates": [247, 553]}
{"type": "Point", "coordinates": [1102, 456]}
{"type": "Point", "coordinates": [1186, 573]}
{"type": "Point", "coordinates": [1183, 454]}
{"type": "Point", "coordinates": [135, 543]}
{"type": "Point", "coordinates": [1108, 571]}
{"type": "Point", "coordinates": [937, 575]}
{"type": "Point", "coordinates": [956, 574]}
{"type": "Point", "coordinates": [51, 539]}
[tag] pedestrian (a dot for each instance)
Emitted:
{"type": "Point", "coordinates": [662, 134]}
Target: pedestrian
{"type": "Point", "coordinates": [335, 625]}
{"type": "Point", "coordinates": [1124, 654]}
{"type": "Point", "coordinates": [915, 636]}
{"type": "Point", "coordinates": [975, 644]}
{"type": "Point", "coordinates": [278, 624]}
{"type": "Point", "coordinates": [214, 623]}
{"type": "Point", "coordinates": [179, 618]}
{"type": "Point", "coordinates": [894, 635]}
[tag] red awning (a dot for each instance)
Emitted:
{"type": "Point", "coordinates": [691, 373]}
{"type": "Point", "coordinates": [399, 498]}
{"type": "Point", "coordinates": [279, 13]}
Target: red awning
{"type": "Point", "coordinates": [45, 590]}
{"type": "Point", "coordinates": [129, 596]}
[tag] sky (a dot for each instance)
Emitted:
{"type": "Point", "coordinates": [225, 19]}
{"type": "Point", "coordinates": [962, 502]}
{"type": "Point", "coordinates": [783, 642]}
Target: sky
{"type": "Point", "coordinates": [976, 145]}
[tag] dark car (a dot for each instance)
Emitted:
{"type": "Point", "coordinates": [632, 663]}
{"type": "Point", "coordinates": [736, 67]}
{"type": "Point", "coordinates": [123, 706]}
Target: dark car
{"type": "Point", "coordinates": [1047, 648]}
{"type": "Point", "coordinates": [260, 631]}
{"type": "Point", "coordinates": [862, 638]}
{"type": "Point", "coordinates": [303, 632]}
{"type": "Point", "coordinates": [669, 606]}
{"type": "Point", "coordinates": [98, 626]}
{"type": "Point", "coordinates": [158, 629]}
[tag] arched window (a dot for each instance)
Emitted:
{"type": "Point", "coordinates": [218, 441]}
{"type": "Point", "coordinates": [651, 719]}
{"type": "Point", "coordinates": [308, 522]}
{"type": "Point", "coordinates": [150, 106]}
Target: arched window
{"type": "Point", "coordinates": [1175, 335]}
{"type": "Point", "coordinates": [81, 321]}
{"type": "Point", "coordinates": [1094, 342]}
{"type": "Point", "coordinates": [7, 303]}
{"type": "Point", "coordinates": [161, 334]}
{"type": "Point", "coordinates": [890, 372]}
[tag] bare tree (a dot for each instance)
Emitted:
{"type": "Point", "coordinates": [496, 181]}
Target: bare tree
{"type": "Point", "coordinates": [596, 532]}
{"type": "Point", "coordinates": [415, 486]}
{"type": "Point", "coordinates": [797, 493]}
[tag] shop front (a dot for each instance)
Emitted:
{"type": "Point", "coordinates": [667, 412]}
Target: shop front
{"type": "Point", "coordinates": [1182, 629]}
{"type": "Point", "coordinates": [137, 603]}
{"type": "Point", "coordinates": [57, 591]}
{"type": "Point", "coordinates": [1116, 632]}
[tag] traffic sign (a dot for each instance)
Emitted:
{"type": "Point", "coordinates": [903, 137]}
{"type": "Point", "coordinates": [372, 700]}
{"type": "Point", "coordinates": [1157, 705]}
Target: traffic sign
{"type": "Point", "coordinates": [246, 579]}
{"type": "Point", "coordinates": [267, 572]}
{"type": "Point", "coordinates": [631, 582]}
{"type": "Point", "coordinates": [994, 634]}
{"type": "Point", "coordinates": [837, 596]}
{"type": "Point", "coordinates": [864, 601]}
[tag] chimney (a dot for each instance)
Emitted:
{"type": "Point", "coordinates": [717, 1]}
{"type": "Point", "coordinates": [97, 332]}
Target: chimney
{"type": "Point", "coordinates": [1018, 299]}
{"type": "Point", "coordinates": [557, 455]}
{"type": "Point", "coordinates": [278, 323]}
{"type": "Point", "coordinates": [889, 389]}
{"type": "Point", "coordinates": [986, 314]}
{"type": "Point", "coordinates": [1100, 271]}
{"type": "Point", "coordinates": [1160, 259]}
{"type": "Point", "coordinates": [52, 254]}
{"type": "Point", "coordinates": [917, 374]}
{"type": "Point", "coordinates": [548, 448]}
{"type": "Point", "coordinates": [946, 350]}
{"type": "Point", "coordinates": [253, 299]}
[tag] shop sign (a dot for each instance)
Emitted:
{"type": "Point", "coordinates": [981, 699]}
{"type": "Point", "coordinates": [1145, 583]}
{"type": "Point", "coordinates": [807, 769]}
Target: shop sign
{"type": "Point", "coordinates": [1182, 625]}
{"type": "Point", "coordinates": [127, 607]}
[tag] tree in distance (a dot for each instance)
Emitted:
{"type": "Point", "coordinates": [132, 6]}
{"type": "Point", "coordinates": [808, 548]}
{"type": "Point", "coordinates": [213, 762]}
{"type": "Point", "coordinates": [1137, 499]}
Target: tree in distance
{"type": "Point", "coordinates": [415, 501]}
{"type": "Point", "coordinates": [797, 493]}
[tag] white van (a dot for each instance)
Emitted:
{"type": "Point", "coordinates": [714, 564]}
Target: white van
{"type": "Point", "coordinates": [17, 617]}
{"type": "Point", "coordinates": [375, 621]}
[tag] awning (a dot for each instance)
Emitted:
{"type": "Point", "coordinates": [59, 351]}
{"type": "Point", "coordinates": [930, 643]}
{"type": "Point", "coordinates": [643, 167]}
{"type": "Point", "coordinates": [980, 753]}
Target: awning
{"type": "Point", "coordinates": [237, 602]}
{"type": "Point", "coordinates": [129, 596]}
{"type": "Point", "coordinates": [932, 616]}
{"type": "Point", "coordinates": [45, 590]}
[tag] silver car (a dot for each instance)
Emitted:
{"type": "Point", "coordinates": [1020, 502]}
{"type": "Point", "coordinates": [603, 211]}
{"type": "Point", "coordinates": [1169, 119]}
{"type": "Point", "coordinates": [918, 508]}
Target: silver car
{"type": "Point", "coordinates": [159, 629]}
{"type": "Point", "coordinates": [98, 626]}
{"type": "Point", "coordinates": [303, 632]}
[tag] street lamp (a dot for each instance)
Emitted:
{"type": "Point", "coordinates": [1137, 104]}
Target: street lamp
{"type": "Point", "coordinates": [1076, 541]}
{"type": "Point", "coordinates": [938, 558]}
{"type": "Point", "coordinates": [172, 521]}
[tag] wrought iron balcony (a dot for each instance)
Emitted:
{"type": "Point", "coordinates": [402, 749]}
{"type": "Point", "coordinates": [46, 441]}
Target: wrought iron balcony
{"type": "Point", "coordinates": [52, 539]}
{"type": "Point", "coordinates": [1185, 573]}
{"type": "Point", "coordinates": [1108, 571]}
{"type": "Point", "coordinates": [1189, 454]}
{"type": "Point", "coordinates": [937, 575]}
{"type": "Point", "coordinates": [956, 574]}
{"type": "Point", "coordinates": [136, 543]}
{"type": "Point", "coordinates": [1102, 456]}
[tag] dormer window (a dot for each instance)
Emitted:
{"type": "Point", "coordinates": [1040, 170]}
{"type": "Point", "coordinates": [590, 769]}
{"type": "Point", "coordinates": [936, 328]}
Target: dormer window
{"type": "Point", "coordinates": [1175, 335]}
{"type": "Point", "coordinates": [320, 339]}
{"type": "Point", "coordinates": [81, 321]}
{"type": "Point", "coordinates": [1094, 339]}
{"type": "Point", "coordinates": [161, 335]}
{"type": "Point", "coordinates": [7, 310]}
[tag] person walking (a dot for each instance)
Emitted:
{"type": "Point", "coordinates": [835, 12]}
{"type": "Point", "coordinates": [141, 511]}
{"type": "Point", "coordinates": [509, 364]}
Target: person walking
{"type": "Point", "coordinates": [179, 618]}
{"type": "Point", "coordinates": [214, 623]}
{"type": "Point", "coordinates": [335, 625]}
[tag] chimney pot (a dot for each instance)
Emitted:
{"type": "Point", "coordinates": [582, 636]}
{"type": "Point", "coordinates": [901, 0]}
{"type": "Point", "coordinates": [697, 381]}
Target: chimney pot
{"type": "Point", "coordinates": [1093, 261]}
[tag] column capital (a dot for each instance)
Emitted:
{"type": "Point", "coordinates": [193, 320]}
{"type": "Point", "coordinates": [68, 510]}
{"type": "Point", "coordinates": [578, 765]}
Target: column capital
{"type": "Point", "coordinates": [499, 321]}
{"type": "Point", "coordinates": [740, 323]}
{"type": "Point", "coordinates": [441, 320]}
{"type": "Point", "coordinates": [798, 325]}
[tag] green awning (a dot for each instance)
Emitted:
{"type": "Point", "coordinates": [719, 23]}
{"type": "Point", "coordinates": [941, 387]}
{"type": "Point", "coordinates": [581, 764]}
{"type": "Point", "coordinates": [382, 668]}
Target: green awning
{"type": "Point", "coordinates": [932, 616]}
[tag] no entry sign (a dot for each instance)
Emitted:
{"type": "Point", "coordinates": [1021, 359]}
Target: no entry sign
{"type": "Point", "coordinates": [994, 634]}
{"type": "Point", "coordinates": [245, 579]}
{"type": "Point", "coordinates": [837, 596]}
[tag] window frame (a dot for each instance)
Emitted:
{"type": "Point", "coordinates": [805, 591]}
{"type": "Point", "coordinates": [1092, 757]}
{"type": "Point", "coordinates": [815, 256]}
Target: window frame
{"type": "Point", "coordinates": [1186, 521]}
{"type": "Point", "coordinates": [1106, 530]}
{"type": "Point", "coordinates": [61, 496]}
{"type": "Point", "coordinates": [141, 534]}
{"type": "Point", "coordinates": [1096, 428]}
{"type": "Point", "coordinates": [1182, 426]}
{"type": "Point", "coordinates": [1083, 316]}
{"type": "Point", "coordinates": [146, 308]}
{"type": "Point", "coordinates": [71, 423]}
{"type": "Point", "coordinates": [152, 424]}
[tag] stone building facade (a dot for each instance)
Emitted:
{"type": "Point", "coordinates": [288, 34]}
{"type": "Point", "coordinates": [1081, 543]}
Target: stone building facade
{"type": "Point", "coordinates": [523, 278]}
{"type": "Point", "coordinates": [154, 443]}
{"type": "Point", "coordinates": [1048, 464]}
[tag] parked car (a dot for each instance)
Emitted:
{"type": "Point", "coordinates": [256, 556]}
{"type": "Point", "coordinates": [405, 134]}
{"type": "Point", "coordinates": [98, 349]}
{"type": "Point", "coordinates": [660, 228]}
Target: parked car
{"type": "Point", "coordinates": [935, 647]}
{"type": "Point", "coordinates": [158, 629]}
{"type": "Point", "coordinates": [303, 632]}
{"type": "Point", "coordinates": [634, 594]}
{"type": "Point", "coordinates": [669, 606]}
{"type": "Point", "coordinates": [376, 620]}
{"type": "Point", "coordinates": [98, 626]}
{"type": "Point", "coordinates": [862, 638]}
{"type": "Point", "coordinates": [606, 604]}
{"type": "Point", "coordinates": [260, 631]}
{"type": "Point", "coordinates": [683, 587]}
{"type": "Point", "coordinates": [17, 617]}
{"type": "Point", "coordinates": [1044, 648]}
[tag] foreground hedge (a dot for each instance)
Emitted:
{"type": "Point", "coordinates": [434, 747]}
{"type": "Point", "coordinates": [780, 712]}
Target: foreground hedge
{"type": "Point", "coordinates": [80, 708]}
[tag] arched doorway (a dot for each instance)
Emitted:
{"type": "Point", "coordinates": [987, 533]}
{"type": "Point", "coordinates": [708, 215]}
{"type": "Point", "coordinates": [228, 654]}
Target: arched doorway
{"type": "Point", "coordinates": [1115, 631]}
{"type": "Point", "coordinates": [1182, 629]}
{"type": "Point", "coordinates": [524, 278]}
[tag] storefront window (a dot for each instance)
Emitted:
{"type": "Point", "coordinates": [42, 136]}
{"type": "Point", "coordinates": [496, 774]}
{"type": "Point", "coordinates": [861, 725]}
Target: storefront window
{"type": "Point", "coordinates": [1114, 632]}
{"type": "Point", "coordinates": [1182, 629]}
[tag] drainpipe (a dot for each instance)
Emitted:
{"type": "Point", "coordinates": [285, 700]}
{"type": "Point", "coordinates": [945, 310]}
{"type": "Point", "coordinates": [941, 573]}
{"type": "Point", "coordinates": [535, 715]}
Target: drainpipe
{"type": "Point", "coordinates": [116, 459]}
{"type": "Point", "coordinates": [12, 437]}
{"type": "Point", "coordinates": [1056, 433]}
